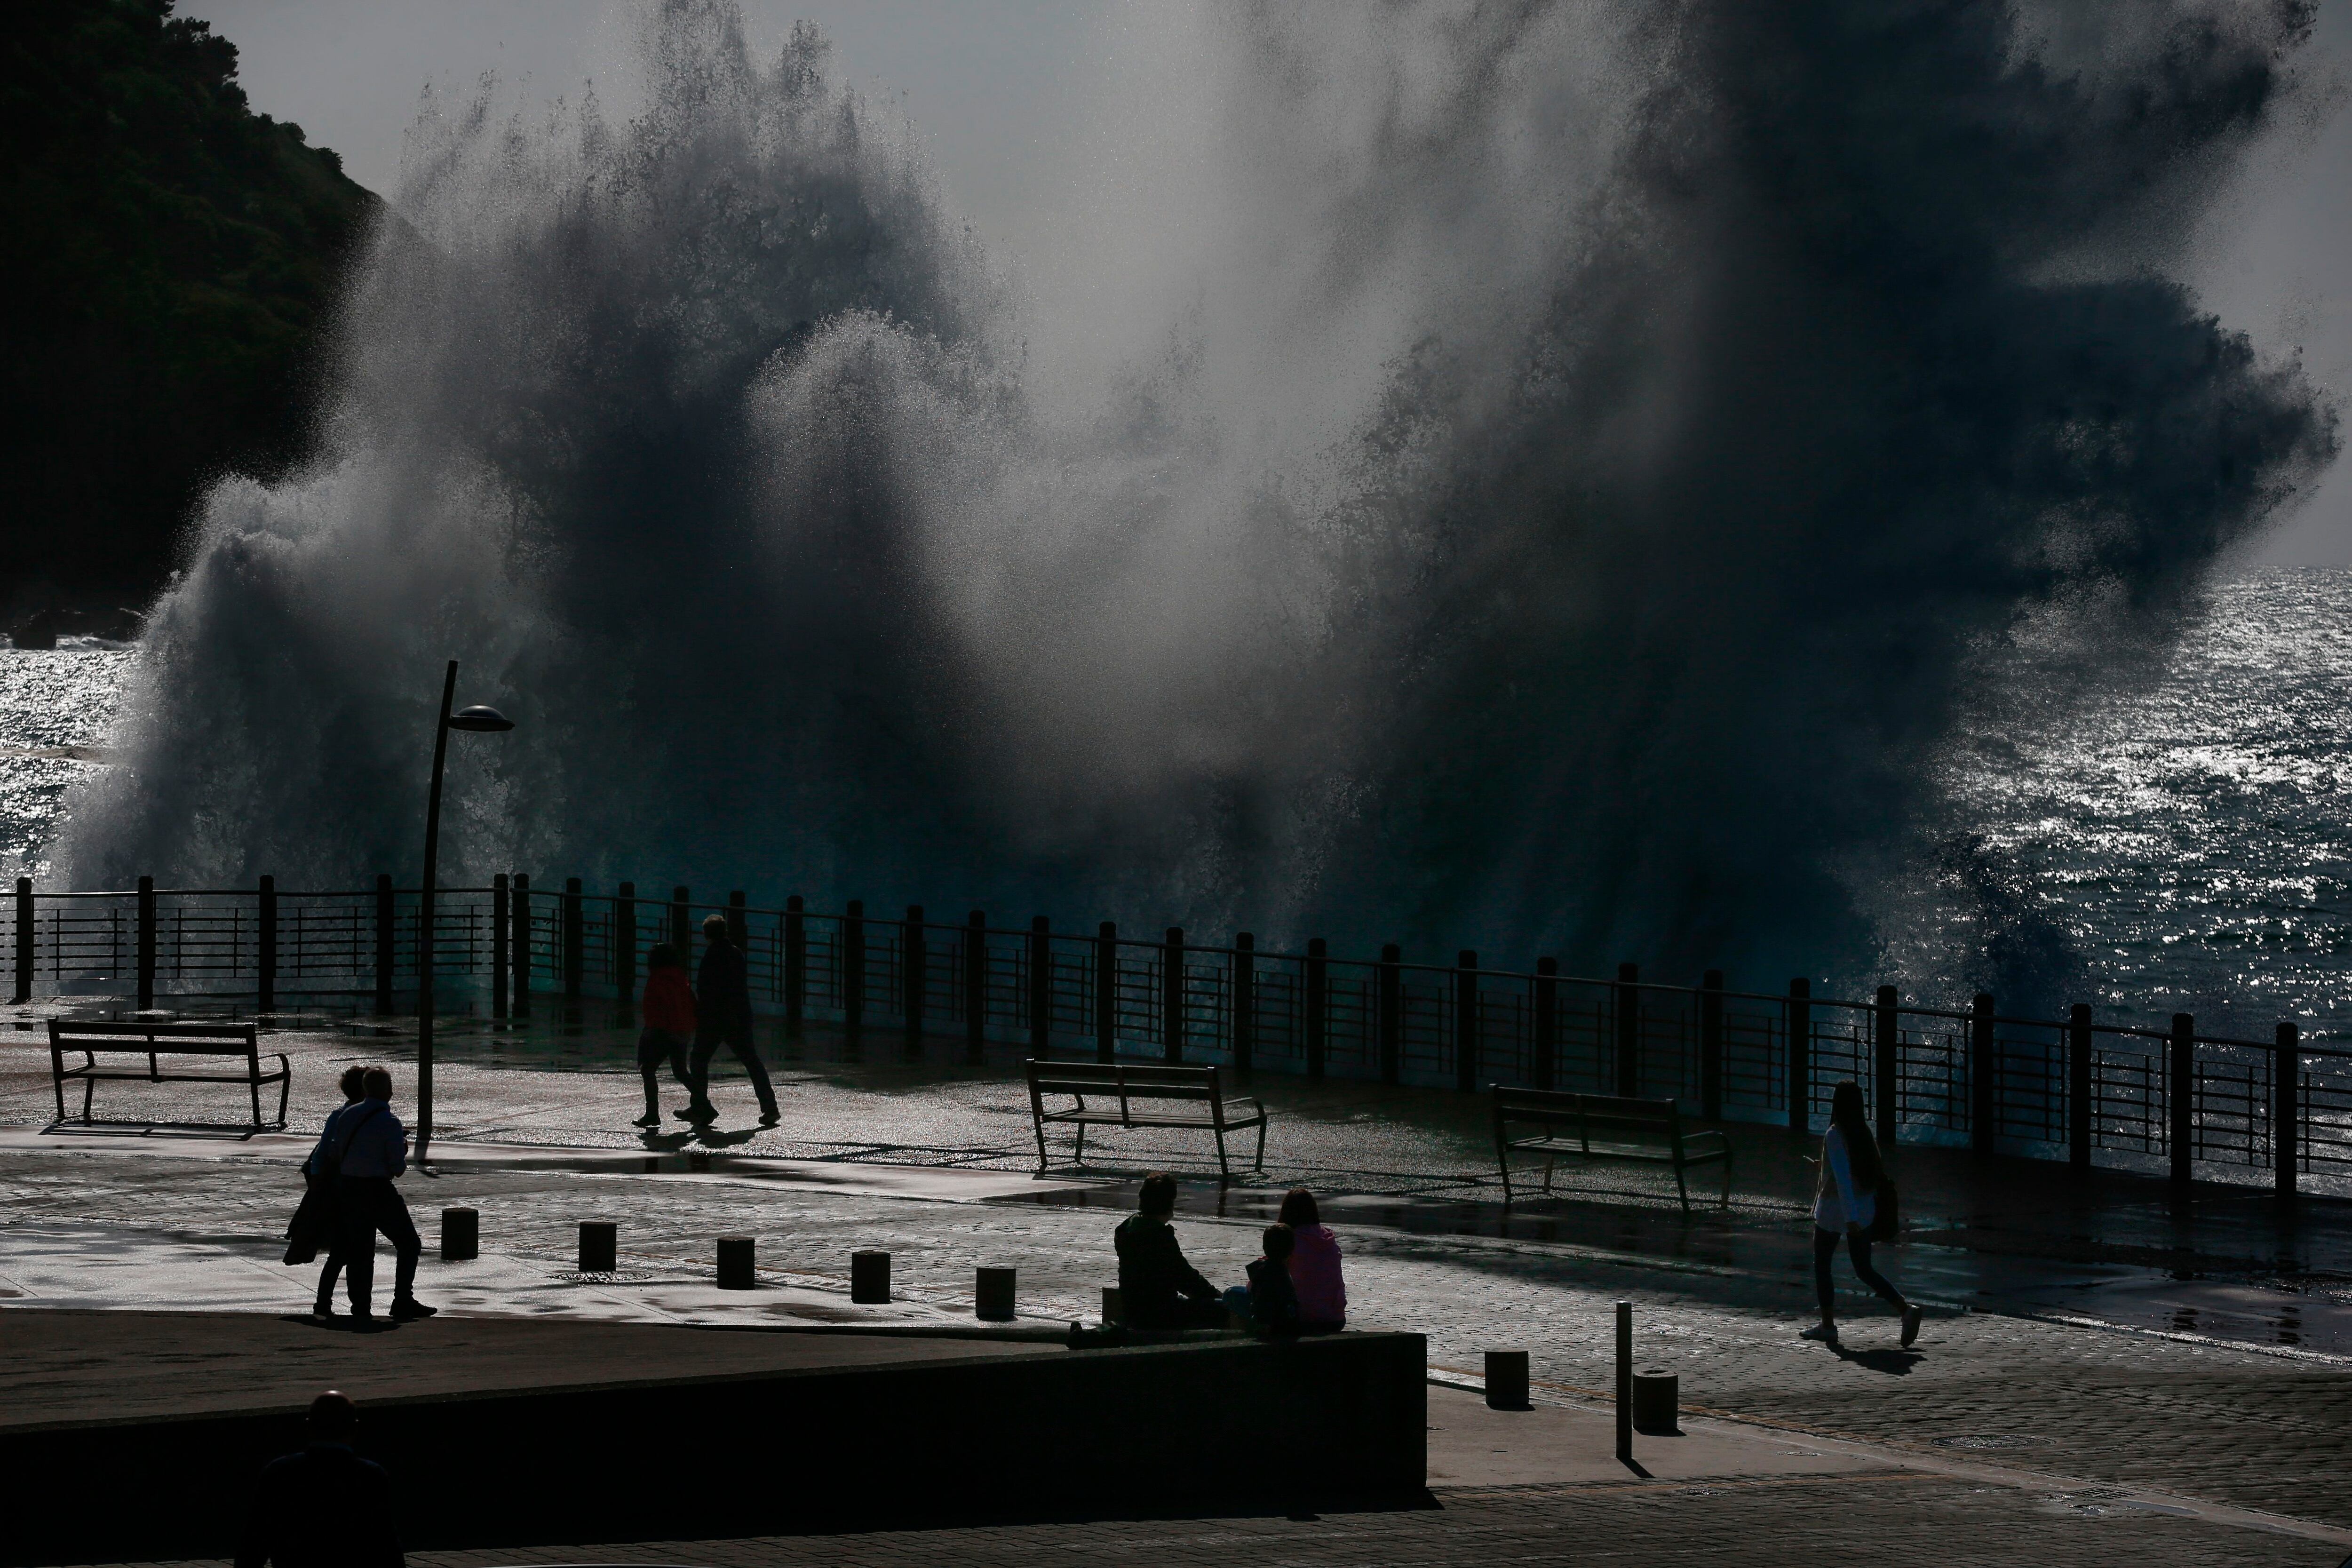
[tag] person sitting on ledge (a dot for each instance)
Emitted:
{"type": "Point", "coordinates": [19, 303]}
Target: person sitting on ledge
{"type": "Point", "coordinates": [1157, 1289]}
{"type": "Point", "coordinates": [1269, 1303]}
{"type": "Point", "coordinates": [324, 1507]}
{"type": "Point", "coordinates": [1315, 1266]}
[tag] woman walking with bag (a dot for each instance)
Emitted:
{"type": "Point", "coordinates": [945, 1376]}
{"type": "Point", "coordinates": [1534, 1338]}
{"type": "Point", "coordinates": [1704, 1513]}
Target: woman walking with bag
{"type": "Point", "coordinates": [1845, 1204]}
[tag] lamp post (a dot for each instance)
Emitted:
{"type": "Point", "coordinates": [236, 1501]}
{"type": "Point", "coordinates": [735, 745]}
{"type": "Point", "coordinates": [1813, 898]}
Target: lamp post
{"type": "Point", "coordinates": [475, 721]}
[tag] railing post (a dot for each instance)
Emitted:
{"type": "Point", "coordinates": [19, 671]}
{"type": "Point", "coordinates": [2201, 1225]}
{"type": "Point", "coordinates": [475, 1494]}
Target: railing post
{"type": "Point", "coordinates": [1244, 1004]}
{"type": "Point", "coordinates": [681, 925]}
{"type": "Point", "coordinates": [1171, 995]}
{"type": "Point", "coordinates": [501, 908]}
{"type": "Point", "coordinates": [1627, 996]}
{"type": "Point", "coordinates": [1886, 1066]}
{"type": "Point", "coordinates": [1041, 986]}
{"type": "Point", "coordinates": [1547, 1041]}
{"type": "Point", "coordinates": [1318, 1021]}
{"type": "Point", "coordinates": [383, 942]}
{"type": "Point", "coordinates": [575, 939]}
{"type": "Point", "coordinates": [624, 951]}
{"type": "Point", "coordinates": [1801, 1055]}
{"type": "Point", "coordinates": [1984, 1103]}
{"type": "Point", "coordinates": [795, 966]}
{"type": "Point", "coordinates": [146, 942]}
{"type": "Point", "coordinates": [853, 968]}
{"type": "Point", "coordinates": [1391, 1013]}
{"type": "Point", "coordinates": [1710, 1046]}
{"type": "Point", "coordinates": [2181, 1097]}
{"type": "Point", "coordinates": [1107, 991]}
{"type": "Point", "coordinates": [519, 954]}
{"type": "Point", "coordinates": [2286, 1124]}
{"type": "Point", "coordinates": [25, 939]}
{"type": "Point", "coordinates": [1465, 1021]}
{"type": "Point", "coordinates": [2078, 1086]}
{"type": "Point", "coordinates": [913, 962]}
{"type": "Point", "coordinates": [975, 986]}
{"type": "Point", "coordinates": [265, 939]}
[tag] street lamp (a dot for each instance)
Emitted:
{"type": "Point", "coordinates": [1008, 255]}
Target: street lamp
{"type": "Point", "coordinates": [476, 721]}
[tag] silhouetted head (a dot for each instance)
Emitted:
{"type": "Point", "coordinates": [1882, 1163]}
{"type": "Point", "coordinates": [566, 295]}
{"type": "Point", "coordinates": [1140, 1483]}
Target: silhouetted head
{"type": "Point", "coordinates": [353, 1084]}
{"type": "Point", "coordinates": [1158, 1194]}
{"type": "Point", "coordinates": [714, 928]}
{"type": "Point", "coordinates": [1299, 1208]}
{"type": "Point", "coordinates": [1280, 1239]}
{"type": "Point", "coordinates": [1846, 1111]}
{"type": "Point", "coordinates": [333, 1417]}
{"type": "Point", "coordinates": [377, 1084]}
{"type": "Point", "coordinates": [663, 956]}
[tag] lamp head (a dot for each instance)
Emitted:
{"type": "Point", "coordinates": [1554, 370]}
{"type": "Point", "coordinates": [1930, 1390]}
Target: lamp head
{"type": "Point", "coordinates": [480, 720]}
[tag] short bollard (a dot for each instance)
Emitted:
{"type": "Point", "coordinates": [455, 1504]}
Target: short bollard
{"type": "Point", "coordinates": [1507, 1380]}
{"type": "Point", "coordinates": [461, 1236]}
{"type": "Point", "coordinates": [991, 1296]}
{"type": "Point", "coordinates": [735, 1263]}
{"type": "Point", "coordinates": [1657, 1402]}
{"type": "Point", "coordinates": [1114, 1309]}
{"type": "Point", "coordinates": [600, 1247]}
{"type": "Point", "coordinates": [869, 1276]}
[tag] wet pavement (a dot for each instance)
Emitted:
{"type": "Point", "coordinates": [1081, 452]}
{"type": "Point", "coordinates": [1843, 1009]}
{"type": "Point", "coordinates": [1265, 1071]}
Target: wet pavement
{"type": "Point", "coordinates": [2086, 1329]}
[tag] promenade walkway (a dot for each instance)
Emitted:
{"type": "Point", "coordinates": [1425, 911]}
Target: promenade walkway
{"type": "Point", "coordinates": [2065, 1353]}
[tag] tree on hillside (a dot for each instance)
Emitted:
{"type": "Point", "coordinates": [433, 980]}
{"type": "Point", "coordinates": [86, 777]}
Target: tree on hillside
{"type": "Point", "coordinates": [173, 259]}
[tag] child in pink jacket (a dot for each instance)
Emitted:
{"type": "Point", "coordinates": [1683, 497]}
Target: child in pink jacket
{"type": "Point", "coordinates": [1315, 1266]}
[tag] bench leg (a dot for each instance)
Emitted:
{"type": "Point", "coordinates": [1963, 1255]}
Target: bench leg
{"type": "Point", "coordinates": [1681, 1188]}
{"type": "Point", "coordinates": [285, 1087]}
{"type": "Point", "coordinates": [89, 1086]}
{"type": "Point", "coordinates": [1039, 1127]}
{"type": "Point", "coordinates": [1547, 1164]}
{"type": "Point", "coordinates": [256, 1087]}
{"type": "Point", "coordinates": [1261, 1143]}
{"type": "Point", "coordinates": [1726, 1178]}
{"type": "Point", "coordinates": [1224, 1172]}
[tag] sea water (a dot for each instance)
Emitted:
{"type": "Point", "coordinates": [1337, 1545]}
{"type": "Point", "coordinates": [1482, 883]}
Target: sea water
{"type": "Point", "coordinates": [2181, 840]}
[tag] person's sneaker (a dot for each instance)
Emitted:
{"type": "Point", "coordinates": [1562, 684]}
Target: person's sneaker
{"type": "Point", "coordinates": [1825, 1332]}
{"type": "Point", "coordinates": [650, 1118]}
{"type": "Point", "coordinates": [323, 1310]}
{"type": "Point", "coordinates": [687, 1113]}
{"type": "Point", "coordinates": [366, 1323]}
{"type": "Point", "coordinates": [770, 1117]}
{"type": "Point", "coordinates": [1911, 1316]}
{"type": "Point", "coordinates": [408, 1309]}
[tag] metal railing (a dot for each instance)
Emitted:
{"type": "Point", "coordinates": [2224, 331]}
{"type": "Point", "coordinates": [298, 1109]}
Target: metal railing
{"type": "Point", "coordinates": [2174, 1101]}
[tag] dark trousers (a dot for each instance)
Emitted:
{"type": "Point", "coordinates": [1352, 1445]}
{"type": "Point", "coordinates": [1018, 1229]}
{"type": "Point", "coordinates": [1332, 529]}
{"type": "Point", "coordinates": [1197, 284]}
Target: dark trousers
{"type": "Point", "coordinates": [327, 1275]}
{"type": "Point", "coordinates": [732, 1030]}
{"type": "Point", "coordinates": [655, 1047]}
{"type": "Point", "coordinates": [1825, 1246]}
{"type": "Point", "coordinates": [364, 1205]}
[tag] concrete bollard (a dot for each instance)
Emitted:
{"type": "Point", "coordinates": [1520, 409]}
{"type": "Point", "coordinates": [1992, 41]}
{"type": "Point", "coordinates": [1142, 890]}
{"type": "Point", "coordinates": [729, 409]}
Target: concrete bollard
{"type": "Point", "coordinates": [600, 1247]}
{"type": "Point", "coordinates": [992, 1296]}
{"type": "Point", "coordinates": [1626, 1381]}
{"type": "Point", "coordinates": [461, 1236]}
{"type": "Point", "coordinates": [735, 1263]}
{"type": "Point", "coordinates": [1114, 1309]}
{"type": "Point", "coordinates": [1507, 1380]}
{"type": "Point", "coordinates": [869, 1276]}
{"type": "Point", "coordinates": [1657, 1402]}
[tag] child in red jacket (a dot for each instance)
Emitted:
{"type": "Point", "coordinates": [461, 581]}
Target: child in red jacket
{"type": "Point", "coordinates": [669, 1012]}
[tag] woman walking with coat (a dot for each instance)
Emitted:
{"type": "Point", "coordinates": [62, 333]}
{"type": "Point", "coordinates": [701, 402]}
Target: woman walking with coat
{"type": "Point", "coordinates": [1845, 1204]}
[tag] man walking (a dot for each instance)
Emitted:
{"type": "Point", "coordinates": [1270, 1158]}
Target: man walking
{"type": "Point", "coordinates": [324, 1507]}
{"type": "Point", "coordinates": [375, 1150]}
{"type": "Point", "coordinates": [723, 1008]}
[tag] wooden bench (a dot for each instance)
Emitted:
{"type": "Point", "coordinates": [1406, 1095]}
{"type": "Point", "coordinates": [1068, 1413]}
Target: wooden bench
{"type": "Point", "coordinates": [1602, 1127]}
{"type": "Point", "coordinates": [1117, 1095]}
{"type": "Point", "coordinates": [155, 1042]}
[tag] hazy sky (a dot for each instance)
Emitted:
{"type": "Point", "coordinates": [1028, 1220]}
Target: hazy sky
{"type": "Point", "coordinates": [1005, 91]}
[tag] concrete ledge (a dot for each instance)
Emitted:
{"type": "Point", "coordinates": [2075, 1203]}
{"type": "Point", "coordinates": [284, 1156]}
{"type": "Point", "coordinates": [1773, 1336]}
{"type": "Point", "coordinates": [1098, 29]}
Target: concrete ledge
{"type": "Point", "coordinates": [934, 1433]}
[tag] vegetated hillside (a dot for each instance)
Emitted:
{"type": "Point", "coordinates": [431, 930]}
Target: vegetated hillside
{"type": "Point", "coordinates": [170, 260]}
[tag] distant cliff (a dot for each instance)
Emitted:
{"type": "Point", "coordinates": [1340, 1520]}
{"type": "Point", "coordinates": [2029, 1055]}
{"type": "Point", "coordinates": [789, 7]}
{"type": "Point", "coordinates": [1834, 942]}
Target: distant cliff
{"type": "Point", "coordinates": [172, 259]}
